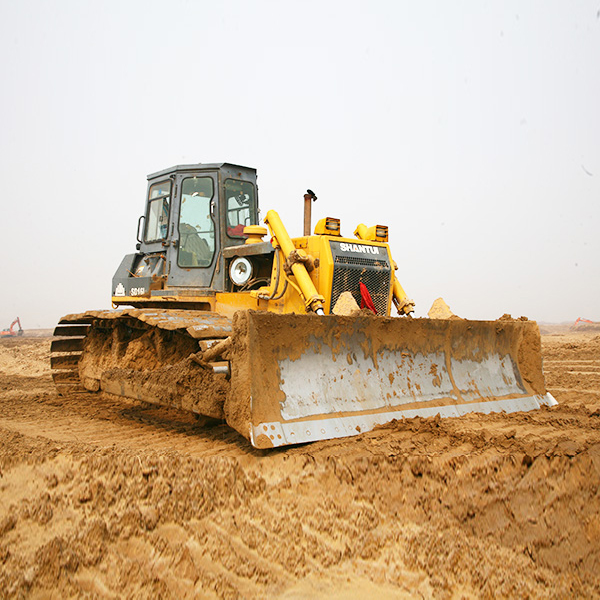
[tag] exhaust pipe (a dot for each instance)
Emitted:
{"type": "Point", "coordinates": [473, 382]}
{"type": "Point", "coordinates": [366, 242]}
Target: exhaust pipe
{"type": "Point", "coordinates": [308, 197]}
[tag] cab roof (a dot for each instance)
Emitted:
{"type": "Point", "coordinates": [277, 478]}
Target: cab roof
{"type": "Point", "coordinates": [199, 167]}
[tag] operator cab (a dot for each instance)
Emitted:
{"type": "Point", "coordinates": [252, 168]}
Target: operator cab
{"type": "Point", "coordinates": [192, 213]}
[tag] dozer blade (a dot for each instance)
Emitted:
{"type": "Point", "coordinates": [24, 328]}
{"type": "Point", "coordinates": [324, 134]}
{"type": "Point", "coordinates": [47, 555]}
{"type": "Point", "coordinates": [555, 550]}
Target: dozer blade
{"type": "Point", "coordinates": [301, 378]}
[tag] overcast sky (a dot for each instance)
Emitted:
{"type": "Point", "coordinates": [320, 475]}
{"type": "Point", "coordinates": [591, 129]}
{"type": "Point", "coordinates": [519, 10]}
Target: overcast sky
{"type": "Point", "coordinates": [471, 129]}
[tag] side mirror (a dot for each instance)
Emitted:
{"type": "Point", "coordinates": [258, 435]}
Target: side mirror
{"type": "Point", "coordinates": [138, 236]}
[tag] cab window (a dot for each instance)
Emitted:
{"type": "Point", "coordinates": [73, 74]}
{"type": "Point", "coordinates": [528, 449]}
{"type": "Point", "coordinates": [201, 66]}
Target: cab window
{"type": "Point", "coordinates": [240, 200]}
{"type": "Point", "coordinates": [157, 221]}
{"type": "Point", "coordinates": [196, 225]}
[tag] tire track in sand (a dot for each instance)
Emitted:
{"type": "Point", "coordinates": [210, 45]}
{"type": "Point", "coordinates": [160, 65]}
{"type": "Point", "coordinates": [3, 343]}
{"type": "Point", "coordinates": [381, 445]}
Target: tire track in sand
{"type": "Point", "coordinates": [99, 420]}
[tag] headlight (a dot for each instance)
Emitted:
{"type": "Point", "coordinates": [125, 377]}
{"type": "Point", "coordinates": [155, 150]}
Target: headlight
{"type": "Point", "coordinates": [240, 270]}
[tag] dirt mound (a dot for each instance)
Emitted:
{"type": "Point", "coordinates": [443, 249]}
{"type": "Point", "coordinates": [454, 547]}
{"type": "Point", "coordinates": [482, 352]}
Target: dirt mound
{"type": "Point", "coordinates": [112, 498]}
{"type": "Point", "coordinates": [587, 328]}
{"type": "Point", "coordinates": [440, 310]}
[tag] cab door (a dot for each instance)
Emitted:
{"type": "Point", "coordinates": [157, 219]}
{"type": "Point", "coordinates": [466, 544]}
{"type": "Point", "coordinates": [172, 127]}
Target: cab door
{"type": "Point", "coordinates": [195, 242]}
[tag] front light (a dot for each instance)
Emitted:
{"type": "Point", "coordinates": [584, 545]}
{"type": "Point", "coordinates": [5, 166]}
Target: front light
{"type": "Point", "coordinates": [240, 271]}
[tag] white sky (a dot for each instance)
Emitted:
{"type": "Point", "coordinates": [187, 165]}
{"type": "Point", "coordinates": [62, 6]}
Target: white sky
{"type": "Point", "coordinates": [472, 129]}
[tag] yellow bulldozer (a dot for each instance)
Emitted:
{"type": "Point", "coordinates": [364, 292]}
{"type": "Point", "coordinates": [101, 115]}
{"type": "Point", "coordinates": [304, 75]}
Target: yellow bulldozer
{"type": "Point", "coordinates": [288, 340]}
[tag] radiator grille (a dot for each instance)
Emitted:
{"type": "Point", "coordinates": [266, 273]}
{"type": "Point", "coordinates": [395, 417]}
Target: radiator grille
{"type": "Point", "coordinates": [349, 271]}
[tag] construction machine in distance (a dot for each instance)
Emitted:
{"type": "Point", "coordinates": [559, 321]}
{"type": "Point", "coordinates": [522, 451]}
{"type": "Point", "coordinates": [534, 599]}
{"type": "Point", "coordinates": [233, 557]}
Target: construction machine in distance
{"type": "Point", "coordinates": [221, 317]}
{"type": "Point", "coordinates": [11, 331]}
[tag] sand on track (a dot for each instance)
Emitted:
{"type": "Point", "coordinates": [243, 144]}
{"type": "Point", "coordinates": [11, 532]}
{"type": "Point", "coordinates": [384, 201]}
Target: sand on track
{"type": "Point", "coordinates": [106, 498]}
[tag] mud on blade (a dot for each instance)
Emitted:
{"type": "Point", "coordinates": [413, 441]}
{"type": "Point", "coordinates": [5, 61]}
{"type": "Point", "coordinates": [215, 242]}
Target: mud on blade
{"type": "Point", "coordinates": [300, 378]}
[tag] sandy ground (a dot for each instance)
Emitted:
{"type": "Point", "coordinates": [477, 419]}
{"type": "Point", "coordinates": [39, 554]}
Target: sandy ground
{"type": "Point", "coordinates": [101, 498]}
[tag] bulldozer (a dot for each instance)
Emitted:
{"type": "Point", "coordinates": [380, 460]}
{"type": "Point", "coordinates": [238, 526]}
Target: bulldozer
{"type": "Point", "coordinates": [289, 340]}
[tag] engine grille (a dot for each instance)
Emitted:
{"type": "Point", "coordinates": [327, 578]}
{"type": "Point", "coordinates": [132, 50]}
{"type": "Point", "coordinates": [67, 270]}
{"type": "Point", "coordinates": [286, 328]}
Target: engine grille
{"type": "Point", "coordinates": [353, 267]}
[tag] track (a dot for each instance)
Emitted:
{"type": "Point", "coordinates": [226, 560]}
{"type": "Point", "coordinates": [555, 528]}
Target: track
{"type": "Point", "coordinates": [114, 499]}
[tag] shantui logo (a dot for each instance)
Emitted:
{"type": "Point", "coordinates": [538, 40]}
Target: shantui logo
{"type": "Point", "coordinates": [359, 248]}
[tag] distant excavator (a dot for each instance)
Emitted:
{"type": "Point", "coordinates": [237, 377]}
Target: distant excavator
{"type": "Point", "coordinates": [11, 331]}
{"type": "Point", "coordinates": [582, 320]}
{"type": "Point", "coordinates": [269, 334]}
{"type": "Point", "coordinates": [585, 324]}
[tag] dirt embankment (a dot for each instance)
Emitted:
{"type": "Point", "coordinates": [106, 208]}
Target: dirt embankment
{"type": "Point", "coordinates": [111, 499]}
